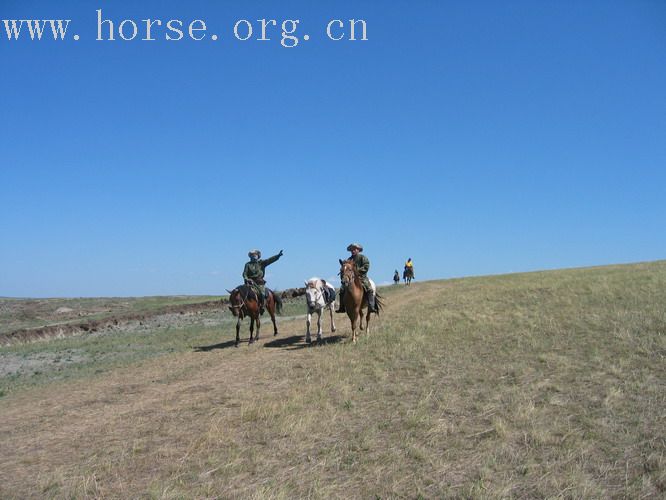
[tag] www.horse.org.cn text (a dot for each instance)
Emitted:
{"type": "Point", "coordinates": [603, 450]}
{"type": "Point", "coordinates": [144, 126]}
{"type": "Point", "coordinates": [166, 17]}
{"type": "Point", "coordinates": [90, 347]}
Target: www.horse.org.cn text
{"type": "Point", "coordinates": [289, 33]}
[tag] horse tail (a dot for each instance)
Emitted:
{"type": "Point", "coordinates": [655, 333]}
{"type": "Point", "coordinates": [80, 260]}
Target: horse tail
{"type": "Point", "coordinates": [278, 302]}
{"type": "Point", "coordinates": [379, 302]}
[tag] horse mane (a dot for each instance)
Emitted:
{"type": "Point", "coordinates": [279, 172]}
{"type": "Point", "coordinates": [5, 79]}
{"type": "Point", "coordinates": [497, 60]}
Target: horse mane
{"type": "Point", "coordinates": [348, 262]}
{"type": "Point", "coordinates": [315, 282]}
{"type": "Point", "coordinates": [245, 291]}
{"type": "Point", "coordinates": [352, 266]}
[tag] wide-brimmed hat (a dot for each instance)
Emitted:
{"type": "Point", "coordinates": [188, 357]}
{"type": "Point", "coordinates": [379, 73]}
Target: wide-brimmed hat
{"type": "Point", "coordinates": [355, 245]}
{"type": "Point", "coordinates": [254, 252]}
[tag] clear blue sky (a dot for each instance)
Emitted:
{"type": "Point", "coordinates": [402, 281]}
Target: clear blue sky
{"type": "Point", "coordinates": [474, 137]}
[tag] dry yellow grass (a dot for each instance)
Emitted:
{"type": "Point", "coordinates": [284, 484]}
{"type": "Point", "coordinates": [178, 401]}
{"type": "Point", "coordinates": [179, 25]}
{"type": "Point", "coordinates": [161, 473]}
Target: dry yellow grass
{"type": "Point", "coordinates": [535, 385]}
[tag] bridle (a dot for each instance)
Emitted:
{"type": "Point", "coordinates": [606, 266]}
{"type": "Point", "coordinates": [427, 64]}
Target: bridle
{"type": "Point", "coordinates": [318, 298]}
{"type": "Point", "coordinates": [347, 273]}
{"type": "Point", "coordinates": [242, 306]}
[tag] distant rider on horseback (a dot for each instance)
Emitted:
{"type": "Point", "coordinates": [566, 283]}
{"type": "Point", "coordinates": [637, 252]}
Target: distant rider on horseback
{"type": "Point", "coordinates": [253, 274]}
{"type": "Point", "coordinates": [362, 267]}
{"type": "Point", "coordinates": [409, 269]}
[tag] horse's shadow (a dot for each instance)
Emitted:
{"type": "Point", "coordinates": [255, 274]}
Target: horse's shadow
{"type": "Point", "coordinates": [296, 342]}
{"type": "Point", "coordinates": [222, 345]}
{"type": "Point", "coordinates": [292, 343]}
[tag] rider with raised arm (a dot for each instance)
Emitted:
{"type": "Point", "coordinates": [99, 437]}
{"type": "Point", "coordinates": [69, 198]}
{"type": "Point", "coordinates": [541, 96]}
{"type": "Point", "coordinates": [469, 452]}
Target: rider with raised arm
{"type": "Point", "coordinates": [254, 271]}
{"type": "Point", "coordinates": [362, 264]}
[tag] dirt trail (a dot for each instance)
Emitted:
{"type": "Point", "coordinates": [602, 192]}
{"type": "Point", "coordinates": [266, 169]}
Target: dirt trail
{"type": "Point", "coordinates": [99, 425]}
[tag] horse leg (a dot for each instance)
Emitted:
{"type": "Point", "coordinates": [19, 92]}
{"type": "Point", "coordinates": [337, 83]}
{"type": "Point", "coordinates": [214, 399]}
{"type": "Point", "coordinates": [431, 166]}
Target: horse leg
{"type": "Point", "coordinates": [256, 337]}
{"type": "Point", "coordinates": [355, 321]}
{"type": "Point", "coordinates": [319, 311]}
{"type": "Point", "coordinates": [307, 322]}
{"type": "Point", "coordinates": [251, 330]}
{"type": "Point", "coordinates": [272, 313]}
{"type": "Point", "coordinates": [330, 310]}
{"type": "Point", "coordinates": [360, 316]}
{"type": "Point", "coordinates": [367, 322]}
{"type": "Point", "coordinates": [270, 307]}
{"type": "Point", "coordinates": [238, 323]}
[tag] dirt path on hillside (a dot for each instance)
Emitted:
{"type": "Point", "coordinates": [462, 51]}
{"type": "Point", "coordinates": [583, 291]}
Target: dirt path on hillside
{"type": "Point", "coordinates": [103, 436]}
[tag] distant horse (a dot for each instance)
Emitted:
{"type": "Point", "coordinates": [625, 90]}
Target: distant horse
{"type": "Point", "coordinates": [355, 299]}
{"type": "Point", "coordinates": [408, 275]}
{"type": "Point", "coordinates": [317, 301]}
{"type": "Point", "coordinates": [396, 278]}
{"type": "Point", "coordinates": [243, 302]}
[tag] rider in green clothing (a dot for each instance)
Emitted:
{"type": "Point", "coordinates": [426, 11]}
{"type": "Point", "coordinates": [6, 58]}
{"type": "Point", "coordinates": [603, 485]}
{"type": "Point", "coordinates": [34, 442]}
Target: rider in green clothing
{"type": "Point", "coordinates": [362, 267]}
{"type": "Point", "coordinates": [253, 273]}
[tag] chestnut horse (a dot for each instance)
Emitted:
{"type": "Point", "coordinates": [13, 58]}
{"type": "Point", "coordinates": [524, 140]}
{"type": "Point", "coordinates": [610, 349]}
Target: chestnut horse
{"type": "Point", "coordinates": [243, 301]}
{"type": "Point", "coordinates": [354, 297]}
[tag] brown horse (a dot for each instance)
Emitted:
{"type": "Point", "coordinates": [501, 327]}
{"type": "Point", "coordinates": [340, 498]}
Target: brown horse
{"type": "Point", "coordinates": [243, 301]}
{"type": "Point", "coordinates": [408, 275]}
{"type": "Point", "coordinates": [355, 299]}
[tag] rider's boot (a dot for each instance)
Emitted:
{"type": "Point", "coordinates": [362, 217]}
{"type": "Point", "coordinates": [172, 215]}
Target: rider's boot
{"type": "Point", "coordinates": [372, 305]}
{"type": "Point", "coordinates": [341, 307]}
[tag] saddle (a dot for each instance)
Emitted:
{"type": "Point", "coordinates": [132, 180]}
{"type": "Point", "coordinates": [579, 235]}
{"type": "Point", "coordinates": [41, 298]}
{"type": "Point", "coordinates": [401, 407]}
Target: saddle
{"type": "Point", "coordinates": [329, 294]}
{"type": "Point", "coordinates": [261, 298]}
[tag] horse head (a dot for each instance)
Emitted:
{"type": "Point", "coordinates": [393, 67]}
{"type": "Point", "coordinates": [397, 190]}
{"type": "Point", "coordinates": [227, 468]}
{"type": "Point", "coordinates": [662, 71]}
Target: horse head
{"type": "Point", "coordinates": [236, 302]}
{"type": "Point", "coordinates": [347, 272]}
{"type": "Point", "coordinates": [314, 294]}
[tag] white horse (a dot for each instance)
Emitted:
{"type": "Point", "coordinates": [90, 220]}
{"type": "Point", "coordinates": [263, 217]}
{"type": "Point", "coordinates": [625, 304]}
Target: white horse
{"type": "Point", "coordinates": [316, 300]}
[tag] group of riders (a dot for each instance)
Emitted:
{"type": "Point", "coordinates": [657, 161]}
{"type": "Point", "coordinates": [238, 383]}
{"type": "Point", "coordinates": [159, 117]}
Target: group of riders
{"type": "Point", "coordinates": [408, 272]}
{"type": "Point", "coordinates": [254, 272]}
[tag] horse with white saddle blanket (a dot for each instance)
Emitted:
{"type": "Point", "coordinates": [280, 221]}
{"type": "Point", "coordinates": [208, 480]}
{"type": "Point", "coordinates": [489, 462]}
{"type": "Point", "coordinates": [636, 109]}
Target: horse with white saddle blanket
{"type": "Point", "coordinates": [319, 296]}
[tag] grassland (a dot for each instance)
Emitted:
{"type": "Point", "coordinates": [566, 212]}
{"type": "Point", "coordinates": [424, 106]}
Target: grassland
{"type": "Point", "coordinates": [33, 313]}
{"type": "Point", "coordinates": [538, 385]}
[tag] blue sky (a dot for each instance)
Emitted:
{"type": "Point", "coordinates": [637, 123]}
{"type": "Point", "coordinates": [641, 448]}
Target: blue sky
{"type": "Point", "coordinates": [474, 137]}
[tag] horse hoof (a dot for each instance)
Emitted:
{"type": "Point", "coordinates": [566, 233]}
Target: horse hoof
{"type": "Point", "coordinates": [308, 340]}
{"type": "Point", "coordinates": [333, 330]}
{"type": "Point", "coordinates": [275, 333]}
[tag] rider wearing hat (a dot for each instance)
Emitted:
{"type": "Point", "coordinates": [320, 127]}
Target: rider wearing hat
{"type": "Point", "coordinates": [253, 273]}
{"type": "Point", "coordinates": [362, 267]}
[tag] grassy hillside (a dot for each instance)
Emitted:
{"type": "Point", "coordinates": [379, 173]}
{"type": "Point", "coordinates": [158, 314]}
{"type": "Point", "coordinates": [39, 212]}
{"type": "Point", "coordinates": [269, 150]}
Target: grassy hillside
{"type": "Point", "coordinates": [528, 385]}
